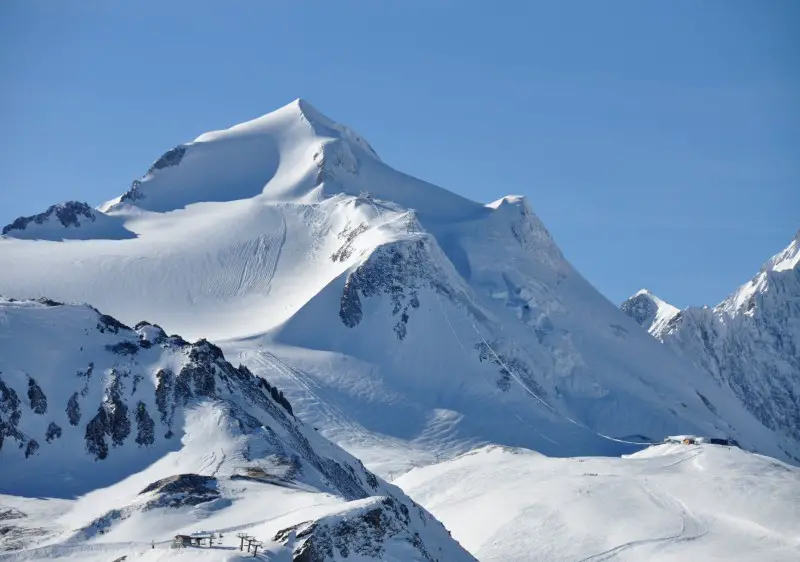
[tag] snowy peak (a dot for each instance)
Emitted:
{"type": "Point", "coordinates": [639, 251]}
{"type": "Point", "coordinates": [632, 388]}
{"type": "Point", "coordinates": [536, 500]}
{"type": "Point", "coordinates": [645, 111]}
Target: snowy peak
{"type": "Point", "coordinates": [71, 220]}
{"type": "Point", "coordinates": [326, 127]}
{"type": "Point", "coordinates": [750, 342]}
{"type": "Point", "coordinates": [292, 155]}
{"type": "Point", "coordinates": [775, 274]}
{"type": "Point", "coordinates": [282, 122]}
{"type": "Point", "coordinates": [649, 311]}
{"type": "Point", "coordinates": [789, 258]}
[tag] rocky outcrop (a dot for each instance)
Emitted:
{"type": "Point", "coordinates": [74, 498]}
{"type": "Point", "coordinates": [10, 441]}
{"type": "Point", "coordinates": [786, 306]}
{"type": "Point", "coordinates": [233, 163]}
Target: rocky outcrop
{"type": "Point", "coordinates": [180, 490]}
{"type": "Point", "coordinates": [395, 270]}
{"type": "Point", "coordinates": [69, 214]}
{"type": "Point", "coordinates": [362, 532]}
{"type": "Point", "coordinates": [142, 409]}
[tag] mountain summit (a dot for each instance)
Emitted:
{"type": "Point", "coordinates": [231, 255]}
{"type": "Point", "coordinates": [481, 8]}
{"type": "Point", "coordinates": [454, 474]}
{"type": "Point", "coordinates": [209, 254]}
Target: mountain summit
{"type": "Point", "coordinates": [750, 342]}
{"type": "Point", "coordinates": [649, 311]}
{"type": "Point", "coordinates": [403, 320]}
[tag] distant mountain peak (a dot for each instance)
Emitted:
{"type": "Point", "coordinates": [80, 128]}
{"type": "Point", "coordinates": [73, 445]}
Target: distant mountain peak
{"type": "Point", "coordinates": [788, 258]}
{"type": "Point", "coordinates": [649, 311]}
{"type": "Point", "coordinates": [749, 341]}
{"type": "Point", "coordinates": [64, 221]}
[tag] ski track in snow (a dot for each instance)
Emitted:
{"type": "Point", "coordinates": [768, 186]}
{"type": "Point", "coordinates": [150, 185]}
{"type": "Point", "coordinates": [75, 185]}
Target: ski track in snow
{"type": "Point", "coordinates": [512, 504]}
{"type": "Point", "coordinates": [336, 417]}
{"type": "Point", "coordinates": [691, 529]}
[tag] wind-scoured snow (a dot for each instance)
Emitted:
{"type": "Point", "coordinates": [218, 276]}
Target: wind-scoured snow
{"type": "Point", "coordinates": [668, 502]}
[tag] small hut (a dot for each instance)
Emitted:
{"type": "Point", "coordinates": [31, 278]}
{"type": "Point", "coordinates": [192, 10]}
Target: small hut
{"type": "Point", "coordinates": [181, 541]}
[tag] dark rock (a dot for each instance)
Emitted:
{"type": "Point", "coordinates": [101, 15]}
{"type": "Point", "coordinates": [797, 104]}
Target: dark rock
{"type": "Point", "coordinates": [349, 236]}
{"type": "Point", "coordinates": [9, 513]}
{"type": "Point", "coordinates": [134, 193]}
{"type": "Point", "coordinates": [68, 214]}
{"type": "Point", "coordinates": [181, 483]}
{"type": "Point", "coordinates": [111, 419]}
{"type": "Point", "coordinates": [123, 348]}
{"type": "Point", "coordinates": [53, 432]}
{"type": "Point", "coordinates": [181, 490]}
{"type": "Point", "coordinates": [198, 373]}
{"type": "Point", "coordinates": [172, 157]}
{"type": "Point", "coordinates": [95, 436]}
{"type": "Point", "coordinates": [10, 414]}
{"type": "Point", "coordinates": [641, 308]}
{"type": "Point", "coordinates": [396, 270]}
{"type": "Point", "coordinates": [108, 323]}
{"type": "Point", "coordinates": [37, 398]}
{"type": "Point", "coordinates": [74, 410]}
{"type": "Point", "coordinates": [145, 426]}
{"type": "Point", "coordinates": [350, 307]}
{"type": "Point", "coordinates": [48, 302]}
{"type": "Point", "coordinates": [31, 448]}
{"type": "Point", "coordinates": [119, 425]}
{"type": "Point", "coordinates": [360, 534]}
{"type": "Point", "coordinates": [164, 384]}
{"type": "Point", "coordinates": [275, 394]}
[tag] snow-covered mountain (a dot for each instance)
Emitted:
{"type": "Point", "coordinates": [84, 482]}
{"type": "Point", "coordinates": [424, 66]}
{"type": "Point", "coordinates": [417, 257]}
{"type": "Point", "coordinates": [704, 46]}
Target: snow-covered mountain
{"type": "Point", "coordinates": [67, 221]}
{"type": "Point", "coordinates": [405, 321]}
{"type": "Point", "coordinates": [649, 311]}
{"type": "Point", "coordinates": [750, 342]}
{"type": "Point", "coordinates": [668, 502]}
{"type": "Point", "coordinates": [113, 440]}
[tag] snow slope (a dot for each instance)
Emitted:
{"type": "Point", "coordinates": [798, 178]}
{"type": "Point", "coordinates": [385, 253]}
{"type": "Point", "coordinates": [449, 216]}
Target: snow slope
{"type": "Point", "coordinates": [668, 502]}
{"type": "Point", "coordinates": [404, 321]}
{"type": "Point", "coordinates": [114, 440]}
{"type": "Point", "coordinates": [749, 343]}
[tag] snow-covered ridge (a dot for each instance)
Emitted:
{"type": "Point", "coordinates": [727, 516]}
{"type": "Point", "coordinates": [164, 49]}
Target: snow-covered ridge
{"type": "Point", "coordinates": [159, 435]}
{"type": "Point", "coordinates": [773, 274]}
{"type": "Point", "coordinates": [72, 220]}
{"type": "Point", "coordinates": [750, 342]}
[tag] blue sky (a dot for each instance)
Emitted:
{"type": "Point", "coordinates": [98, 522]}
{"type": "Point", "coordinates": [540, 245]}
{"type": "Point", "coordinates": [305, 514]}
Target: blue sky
{"type": "Point", "coordinates": [658, 141]}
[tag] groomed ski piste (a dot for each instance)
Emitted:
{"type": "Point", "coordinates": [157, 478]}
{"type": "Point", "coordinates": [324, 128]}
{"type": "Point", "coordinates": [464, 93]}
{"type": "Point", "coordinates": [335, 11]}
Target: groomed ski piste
{"type": "Point", "coordinates": [403, 322]}
{"type": "Point", "coordinates": [668, 502]}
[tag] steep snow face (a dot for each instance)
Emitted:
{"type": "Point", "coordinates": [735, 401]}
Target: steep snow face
{"type": "Point", "coordinates": [774, 275]}
{"type": "Point", "coordinates": [403, 320]}
{"type": "Point", "coordinates": [649, 311]}
{"type": "Point", "coordinates": [669, 502]}
{"type": "Point", "coordinates": [750, 343]}
{"type": "Point", "coordinates": [160, 436]}
{"type": "Point", "coordinates": [67, 221]}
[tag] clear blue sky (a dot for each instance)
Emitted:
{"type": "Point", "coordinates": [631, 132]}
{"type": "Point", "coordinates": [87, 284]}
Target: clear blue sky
{"type": "Point", "coordinates": [659, 141]}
